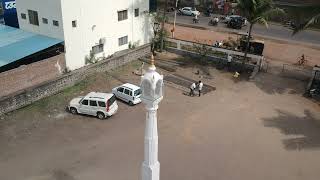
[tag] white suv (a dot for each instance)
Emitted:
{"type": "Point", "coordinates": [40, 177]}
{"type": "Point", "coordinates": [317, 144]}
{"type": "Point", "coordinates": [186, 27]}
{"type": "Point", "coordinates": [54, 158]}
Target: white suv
{"type": "Point", "coordinates": [129, 93]}
{"type": "Point", "coordinates": [189, 11]}
{"type": "Point", "coordinates": [101, 105]}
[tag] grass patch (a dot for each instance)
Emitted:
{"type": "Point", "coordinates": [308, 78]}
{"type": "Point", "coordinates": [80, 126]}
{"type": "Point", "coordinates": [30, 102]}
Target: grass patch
{"type": "Point", "coordinates": [58, 100]}
{"type": "Point", "coordinates": [61, 99]}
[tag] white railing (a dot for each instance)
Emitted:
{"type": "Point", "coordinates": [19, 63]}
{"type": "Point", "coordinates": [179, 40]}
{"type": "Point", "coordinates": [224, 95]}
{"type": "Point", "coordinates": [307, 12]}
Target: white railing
{"type": "Point", "coordinates": [223, 50]}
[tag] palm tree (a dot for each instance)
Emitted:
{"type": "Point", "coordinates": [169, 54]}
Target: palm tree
{"type": "Point", "coordinates": [256, 11]}
{"type": "Point", "coordinates": [314, 18]}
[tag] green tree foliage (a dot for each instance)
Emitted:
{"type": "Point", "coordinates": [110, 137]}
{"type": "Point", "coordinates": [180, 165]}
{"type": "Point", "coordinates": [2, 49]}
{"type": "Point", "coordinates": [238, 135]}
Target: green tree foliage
{"type": "Point", "coordinates": [256, 11]}
{"type": "Point", "coordinates": [313, 16]}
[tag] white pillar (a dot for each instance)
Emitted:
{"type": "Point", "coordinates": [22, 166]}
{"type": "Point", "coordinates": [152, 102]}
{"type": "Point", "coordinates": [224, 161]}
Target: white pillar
{"type": "Point", "coordinates": [152, 94]}
{"type": "Point", "coordinates": [151, 165]}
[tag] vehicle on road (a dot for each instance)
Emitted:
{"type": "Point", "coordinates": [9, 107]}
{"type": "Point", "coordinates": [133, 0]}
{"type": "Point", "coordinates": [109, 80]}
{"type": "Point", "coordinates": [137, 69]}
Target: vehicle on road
{"type": "Point", "coordinates": [235, 23]}
{"type": "Point", "coordinates": [227, 19]}
{"type": "Point", "coordinates": [189, 11]}
{"type": "Point", "coordinates": [208, 12]}
{"type": "Point", "coordinates": [195, 20]}
{"type": "Point", "coordinates": [129, 93]}
{"type": "Point", "coordinates": [101, 105]}
{"type": "Point", "coordinates": [214, 21]}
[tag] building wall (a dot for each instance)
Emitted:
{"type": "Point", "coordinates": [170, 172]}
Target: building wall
{"type": "Point", "coordinates": [95, 20]}
{"type": "Point", "coordinates": [100, 21]}
{"type": "Point", "coordinates": [50, 9]}
{"type": "Point", "coordinates": [31, 75]}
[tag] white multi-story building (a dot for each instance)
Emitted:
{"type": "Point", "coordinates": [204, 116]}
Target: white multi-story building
{"type": "Point", "coordinates": [102, 27]}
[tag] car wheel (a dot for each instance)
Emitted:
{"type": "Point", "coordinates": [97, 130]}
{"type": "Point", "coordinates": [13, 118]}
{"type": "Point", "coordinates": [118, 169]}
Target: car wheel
{"type": "Point", "coordinates": [73, 110]}
{"type": "Point", "coordinates": [131, 103]}
{"type": "Point", "coordinates": [100, 115]}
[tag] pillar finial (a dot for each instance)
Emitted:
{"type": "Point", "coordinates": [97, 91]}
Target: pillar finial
{"type": "Point", "coordinates": [153, 67]}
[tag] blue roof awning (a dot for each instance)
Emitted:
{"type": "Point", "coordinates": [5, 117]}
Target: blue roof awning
{"type": "Point", "coordinates": [16, 44]}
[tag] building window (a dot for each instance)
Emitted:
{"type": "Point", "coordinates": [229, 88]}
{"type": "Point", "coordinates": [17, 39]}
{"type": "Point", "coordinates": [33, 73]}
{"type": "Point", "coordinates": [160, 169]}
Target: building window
{"type": "Point", "coordinates": [122, 15]}
{"type": "Point", "coordinates": [123, 40]}
{"type": "Point", "coordinates": [136, 12]}
{"type": "Point", "coordinates": [97, 49]}
{"type": "Point", "coordinates": [74, 24]}
{"type": "Point", "coordinates": [33, 17]}
{"type": "Point", "coordinates": [55, 23]}
{"type": "Point", "coordinates": [23, 16]}
{"type": "Point", "coordinates": [44, 20]}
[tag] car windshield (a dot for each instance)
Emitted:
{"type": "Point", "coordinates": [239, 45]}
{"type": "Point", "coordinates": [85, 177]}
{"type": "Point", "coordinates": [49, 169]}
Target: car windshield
{"type": "Point", "coordinates": [81, 98]}
{"type": "Point", "coordinates": [137, 92]}
{"type": "Point", "coordinates": [111, 100]}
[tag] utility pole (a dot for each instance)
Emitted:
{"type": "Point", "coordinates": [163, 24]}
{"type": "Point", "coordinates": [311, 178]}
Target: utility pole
{"type": "Point", "coordinates": [175, 18]}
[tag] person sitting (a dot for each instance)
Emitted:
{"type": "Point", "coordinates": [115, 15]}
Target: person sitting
{"type": "Point", "coordinates": [215, 20]}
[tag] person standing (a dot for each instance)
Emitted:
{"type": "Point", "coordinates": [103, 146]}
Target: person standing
{"type": "Point", "coordinates": [200, 86]}
{"type": "Point", "coordinates": [192, 88]}
{"type": "Point", "coordinates": [229, 61]}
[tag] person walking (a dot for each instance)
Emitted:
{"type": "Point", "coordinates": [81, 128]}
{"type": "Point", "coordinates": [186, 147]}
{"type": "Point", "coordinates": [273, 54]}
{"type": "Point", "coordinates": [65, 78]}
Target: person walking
{"type": "Point", "coordinates": [200, 86]}
{"type": "Point", "coordinates": [192, 88]}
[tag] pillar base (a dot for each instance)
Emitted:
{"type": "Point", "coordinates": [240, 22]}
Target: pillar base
{"type": "Point", "coordinates": [151, 172]}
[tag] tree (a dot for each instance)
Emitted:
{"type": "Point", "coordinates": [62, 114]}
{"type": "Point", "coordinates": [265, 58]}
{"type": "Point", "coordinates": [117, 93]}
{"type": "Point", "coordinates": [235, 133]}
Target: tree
{"type": "Point", "coordinates": [256, 11]}
{"type": "Point", "coordinates": [314, 18]}
{"type": "Point", "coordinates": [158, 33]}
{"type": "Point", "coordinates": [162, 24]}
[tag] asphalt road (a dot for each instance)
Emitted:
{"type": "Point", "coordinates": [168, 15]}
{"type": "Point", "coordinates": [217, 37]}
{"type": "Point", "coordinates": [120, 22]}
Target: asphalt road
{"type": "Point", "coordinates": [273, 31]}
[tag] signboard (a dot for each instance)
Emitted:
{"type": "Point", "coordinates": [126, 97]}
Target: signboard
{"type": "Point", "coordinates": [10, 13]}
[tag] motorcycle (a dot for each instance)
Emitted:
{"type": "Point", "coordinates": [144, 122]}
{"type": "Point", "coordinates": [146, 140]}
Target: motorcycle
{"type": "Point", "coordinates": [195, 21]}
{"type": "Point", "coordinates": [213, 22]}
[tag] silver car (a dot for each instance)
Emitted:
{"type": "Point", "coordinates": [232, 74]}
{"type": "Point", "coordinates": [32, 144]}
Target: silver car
{"type": "Point", "coordinates": [101, 105]}
{"type": "Point", "coordinates": [189, 11]}
{"type": "Point", "coordinates": [128, 92]}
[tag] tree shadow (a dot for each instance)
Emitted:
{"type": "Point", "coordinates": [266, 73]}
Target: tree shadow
{"type": "Point", "coordinates": [304, 131]}
{"type": "Point", "coordinates": [274, 84]}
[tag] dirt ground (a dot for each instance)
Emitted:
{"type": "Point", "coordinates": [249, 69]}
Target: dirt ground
{"type": "Point", "coordinates": [262, 129]}
{"type": "Point", "coordinates": [277, 51]}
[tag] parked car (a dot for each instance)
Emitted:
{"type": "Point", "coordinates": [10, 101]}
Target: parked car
{"type": "Point", "coordinates": [189, 11]}
{"type": "Point", "coordinates": [101, 105]}
{"type": "Point", "coordinates": [129, 93]}
{"type": "Point", "coordinates": [255, 46]}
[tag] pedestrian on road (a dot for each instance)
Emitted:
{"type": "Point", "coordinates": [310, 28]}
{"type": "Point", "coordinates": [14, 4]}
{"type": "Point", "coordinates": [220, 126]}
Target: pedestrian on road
{"type": "Point", "coordinates": [195, 19]}
{"type": "Point", "coordinates": [192, 88]}
{"type": "Point", "coordinates": [200, 86]}
{"type": "Point", "coordinates": [229, 61]}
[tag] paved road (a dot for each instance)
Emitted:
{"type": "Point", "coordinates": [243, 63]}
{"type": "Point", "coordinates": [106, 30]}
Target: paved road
{"type": "Point", "coordinates": [274, 31]}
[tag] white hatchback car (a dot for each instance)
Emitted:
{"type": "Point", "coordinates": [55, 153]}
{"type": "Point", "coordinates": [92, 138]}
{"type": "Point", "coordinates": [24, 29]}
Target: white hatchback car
{"type": "Point", "coordinates": [101, 105]}
{"type": "Point", "coordinates": [128, 92]}
{"type": "Point", "coordinates": [189, 11]}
